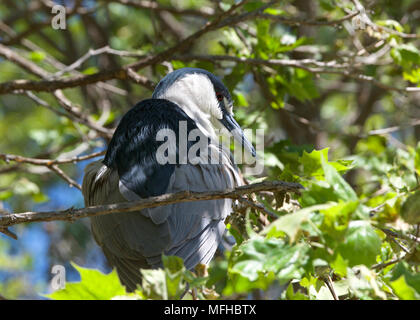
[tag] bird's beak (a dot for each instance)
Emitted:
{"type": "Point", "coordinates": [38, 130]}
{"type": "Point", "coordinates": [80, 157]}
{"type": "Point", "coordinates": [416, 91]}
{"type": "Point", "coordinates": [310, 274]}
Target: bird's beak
{"type": "Point", "coordinates": [230, 123]}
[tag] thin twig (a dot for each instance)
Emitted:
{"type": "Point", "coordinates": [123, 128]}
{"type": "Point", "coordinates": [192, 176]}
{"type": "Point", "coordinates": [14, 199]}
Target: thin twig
{"type": "Point", "coordinates": [396, 234]}
{"type": "Point", "coordinates": [65, 177]}
{"type": "Point", "coordinates": [257, 206]}
{"type": "Point", "coordinates": [48, 162]}
{"type": "Point", "coordinates": [380, 266]}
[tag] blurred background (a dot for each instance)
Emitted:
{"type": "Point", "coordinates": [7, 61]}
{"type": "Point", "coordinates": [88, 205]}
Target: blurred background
{"type": "Point", "coordinates": [340, 80]}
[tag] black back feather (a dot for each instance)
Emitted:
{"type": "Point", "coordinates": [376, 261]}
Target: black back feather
{"type": "Point", "coordinates": [133, 147]}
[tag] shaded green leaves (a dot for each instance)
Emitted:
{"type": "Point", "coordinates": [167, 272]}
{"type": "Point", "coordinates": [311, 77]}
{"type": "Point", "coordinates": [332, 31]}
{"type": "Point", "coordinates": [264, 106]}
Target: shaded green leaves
{"type": "Point", "coordinates": [410, 210]}
{"type": "Point", "coordinates": [406, 55]}
{"type": "Point", "coordinates": [258, 261]}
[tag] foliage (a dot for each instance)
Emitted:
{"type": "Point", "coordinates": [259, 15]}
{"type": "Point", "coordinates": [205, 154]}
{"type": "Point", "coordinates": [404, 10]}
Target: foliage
{"type": "Point", "coordinates": [335, 234]}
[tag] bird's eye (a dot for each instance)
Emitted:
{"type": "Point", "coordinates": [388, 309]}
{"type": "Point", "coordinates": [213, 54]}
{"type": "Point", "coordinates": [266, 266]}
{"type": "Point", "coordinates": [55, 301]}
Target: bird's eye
{"type": "Point", "coordinates": [219, 96]}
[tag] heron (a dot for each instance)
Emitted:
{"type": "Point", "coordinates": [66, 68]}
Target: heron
{"type": "Point", "coordinates": [131, 171]}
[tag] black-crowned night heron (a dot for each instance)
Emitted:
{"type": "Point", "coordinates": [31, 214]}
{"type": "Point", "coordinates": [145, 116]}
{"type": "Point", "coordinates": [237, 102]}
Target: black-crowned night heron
{"type": "Point", "coordinates": [193, 99]}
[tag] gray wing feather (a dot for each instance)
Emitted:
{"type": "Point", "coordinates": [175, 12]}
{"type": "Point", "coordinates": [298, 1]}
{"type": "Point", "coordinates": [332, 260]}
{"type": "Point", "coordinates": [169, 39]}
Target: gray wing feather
{"type": "Point", "coordinates": [125, 238]}
{"type": "Point", "coordinates": [201, 247]}
{"type": "Point", "coordinates": [190, 230]}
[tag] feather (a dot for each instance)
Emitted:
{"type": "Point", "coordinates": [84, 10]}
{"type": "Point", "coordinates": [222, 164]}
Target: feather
{"type": "Point", "coordinates": [134, 240]}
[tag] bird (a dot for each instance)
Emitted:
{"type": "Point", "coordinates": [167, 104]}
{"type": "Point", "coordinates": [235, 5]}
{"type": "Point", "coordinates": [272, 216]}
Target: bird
{"type": "Point", "coordinates": [189, 98]}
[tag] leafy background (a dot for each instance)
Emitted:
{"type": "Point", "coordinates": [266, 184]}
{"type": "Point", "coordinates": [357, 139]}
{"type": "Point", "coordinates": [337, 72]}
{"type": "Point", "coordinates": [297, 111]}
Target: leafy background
{"type": "Point", "coordinates": [351, 141]}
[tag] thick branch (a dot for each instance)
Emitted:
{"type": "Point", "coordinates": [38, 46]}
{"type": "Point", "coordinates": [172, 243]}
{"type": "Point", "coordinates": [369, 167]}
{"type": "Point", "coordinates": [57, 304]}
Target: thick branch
{"type": "Point", "coordinates": [311, 65]}
{"type": "Point", "coordinates": [166, 199]}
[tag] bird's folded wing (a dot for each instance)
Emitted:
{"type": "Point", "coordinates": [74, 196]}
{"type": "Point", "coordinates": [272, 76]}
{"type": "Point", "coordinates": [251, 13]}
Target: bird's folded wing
{"type": "Point", "coordinates": [134, 240]}
{"type": "Point", "coordinates": [190, 230]}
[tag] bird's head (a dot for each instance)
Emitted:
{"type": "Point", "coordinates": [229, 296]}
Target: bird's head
{"type": "Point", "coordinates": [205, 99]}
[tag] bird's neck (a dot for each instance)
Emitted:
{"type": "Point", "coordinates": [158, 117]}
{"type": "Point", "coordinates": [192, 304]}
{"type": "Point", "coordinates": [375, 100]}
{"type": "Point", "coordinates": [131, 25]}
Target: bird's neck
{"type": "Point", "coordinates": [202, 119]}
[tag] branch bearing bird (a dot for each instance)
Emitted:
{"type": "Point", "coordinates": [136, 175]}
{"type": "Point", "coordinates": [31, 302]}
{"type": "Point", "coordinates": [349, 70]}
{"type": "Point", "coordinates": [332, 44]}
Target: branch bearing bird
{"type": "Point", "coordinates": [131, 170]}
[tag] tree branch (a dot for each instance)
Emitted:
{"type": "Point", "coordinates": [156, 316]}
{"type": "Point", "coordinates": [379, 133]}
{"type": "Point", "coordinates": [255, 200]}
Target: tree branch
{"type": "Point", "coordinates": [225, 19]}
{"type": "Point", "coordinates": [48, 162]}
{"type": "Point", "coordinates": [166, 199]}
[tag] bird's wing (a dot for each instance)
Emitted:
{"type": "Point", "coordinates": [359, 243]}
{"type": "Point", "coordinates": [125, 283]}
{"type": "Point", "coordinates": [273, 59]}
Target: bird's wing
{"type": "Point", "coordinates": [125, 238]}
{"type": "Point", "coordinates": [196, 228]}
{"type": "Point", "coordinates": [191, 230]}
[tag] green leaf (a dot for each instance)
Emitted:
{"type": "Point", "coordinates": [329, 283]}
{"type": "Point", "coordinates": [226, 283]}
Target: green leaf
{"type": "Point", "coordinates": [339, 266]}
{"type": "Point", "coordinates": [240, 98]}
{"type": "Point", "coordinates": [406, 55]}
{"type": "Point", "coordinates": [301, 85]}
{"type": "Point", "coordinates": [403, 290]}
{"type": "Point", "coordinates": [292, 223]}
{"type": "Point", "coordinates": [240, 284]}
{"type": "Point", "coordinates": [341, 188]}
{"type": "Point", "coordinates": [412, 75]}
{"type": "Point", "coordinates": [37, 56]}
{"type": "Point", "coordinates": [4, 195]}
{"type": "Point", "coordinates": [174, 268]}
{"type": "Point", "coordinates": [178, 64]}
{"type": "Point", "coordinates": [412, 278]}
{"type": "Point", "coordinates": [94, 285]}
{"type": "Point", "coordinates": [312, 162]}
{"type": "Point", "coordinates": [40, 197]}
{"type": "Point", "coordinates": [317, 194]}
{"type": "Point", "coordinates": [337, 218]}
{"type": "Point", "coordinates": [409, 53]}
{"type": "Point", "coordinates": [258, 257]}
{"type": "Point", "coordinates": [253, 5]}
{"type": "Point", "coordinates": [274, 11]}
{"type": "Point", "coordinates": [90, 70]}
{"type": "Point", "coordinates": [410, 210]}
{"type": "Point", "coordinates": [390, 24]}
{"type": "Point", "coordinates": [361, 244]}
{"type": "Point", "coordinates": [291, 295]}
{"type": "Point", "coordinates": [25, 187]}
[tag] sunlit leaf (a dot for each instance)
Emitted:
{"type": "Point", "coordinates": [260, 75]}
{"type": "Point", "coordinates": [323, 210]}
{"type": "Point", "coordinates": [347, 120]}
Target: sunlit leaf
{"type": "Point", "coordinates": [94, 285]}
